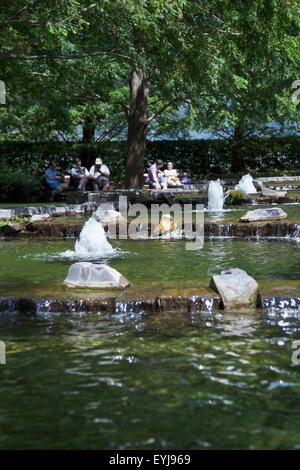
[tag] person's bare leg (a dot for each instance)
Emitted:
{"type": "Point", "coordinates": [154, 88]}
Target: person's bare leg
{"type": "Point", "coordinates": [82, 183]}
{"type": "Point", "coordinates": [105, 187]}
{"type": "Point", "coordinates": [156, 185]}
{"type": "Point", "coordinates": [95, 187]}
{"type": "Point", "coordinates": [59, 189]}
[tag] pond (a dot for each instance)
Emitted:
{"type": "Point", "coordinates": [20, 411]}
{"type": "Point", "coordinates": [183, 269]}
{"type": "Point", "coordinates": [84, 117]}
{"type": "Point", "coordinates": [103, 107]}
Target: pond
{"type": "Point", "coordinates": [157, 382]}
{"type": "Point", "coordinates": [132, 381]}
{"type": "Point", "coordinates": [27, 265]}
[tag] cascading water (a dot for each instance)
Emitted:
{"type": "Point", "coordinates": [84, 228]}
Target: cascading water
{"type": "Point", "coordinates": [92, 240]}
{"type": "Point", "coordinates": [246, 185]}
{"type": "Point", "coordinates": [215, 196]}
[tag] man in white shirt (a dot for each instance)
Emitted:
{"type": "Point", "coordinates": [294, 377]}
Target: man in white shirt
{"type": "Point", "coordinates": [101, 174]}
{"type": "Point", "coordinates": [80, 175]}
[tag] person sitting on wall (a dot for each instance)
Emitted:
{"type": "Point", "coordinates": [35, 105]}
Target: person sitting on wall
{"type": "Point", "coordinates": [80, 175]}
{"type": "Point", "coordinates": [101, 174]}
{"type": "Point", "coordinates": [155, 176]}
{"type": "Point", "coordinates": [55, 180]}
{"type": "Point", "coordinates": [172, 176]}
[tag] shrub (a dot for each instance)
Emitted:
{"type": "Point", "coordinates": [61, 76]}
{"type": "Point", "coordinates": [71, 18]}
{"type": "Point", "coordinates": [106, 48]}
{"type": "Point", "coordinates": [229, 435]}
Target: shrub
{"type": "Point", "coordinates": [20, 186]}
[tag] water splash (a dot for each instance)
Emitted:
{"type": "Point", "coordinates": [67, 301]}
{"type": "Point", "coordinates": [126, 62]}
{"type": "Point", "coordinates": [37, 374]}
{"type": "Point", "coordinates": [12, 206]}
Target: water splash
{"type": "Point", "coordinates": [246, 185]}
{"type": "Point", "coordinates": [92, 243]}
{"type": "Point", "coordinates": [215, 196]}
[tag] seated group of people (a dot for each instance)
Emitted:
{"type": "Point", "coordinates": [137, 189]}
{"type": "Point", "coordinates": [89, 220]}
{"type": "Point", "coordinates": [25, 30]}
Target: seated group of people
{"type": "Point", "coordinates": [97, 177]}
{"type": "Point", "coordinates": [163, 179]}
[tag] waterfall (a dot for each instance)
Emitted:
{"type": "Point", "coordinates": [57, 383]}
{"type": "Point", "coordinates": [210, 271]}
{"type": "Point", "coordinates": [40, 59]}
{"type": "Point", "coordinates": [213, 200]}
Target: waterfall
{"type": "Point", "coordinates": [215, 196]}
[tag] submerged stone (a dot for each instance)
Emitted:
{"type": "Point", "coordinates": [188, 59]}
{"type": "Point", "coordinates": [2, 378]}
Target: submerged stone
{"type": "Point", "coordinates": [264, 214]}
{"type": "Point", "coordinates": [95, 276]}
{"type": "Point", "coordinates": [236, 288]}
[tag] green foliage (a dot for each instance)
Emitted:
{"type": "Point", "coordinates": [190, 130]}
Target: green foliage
{"type": "Point", "coordinates": [23, 164]}
{"type": "Point", "coordinates": [236, 194]}
{"type": "Point", "coordinates": [19, 186]}
{"type": "Point", "coordinates": [14, 219]}
{"type": "Point", "coordinates": [69, 64]}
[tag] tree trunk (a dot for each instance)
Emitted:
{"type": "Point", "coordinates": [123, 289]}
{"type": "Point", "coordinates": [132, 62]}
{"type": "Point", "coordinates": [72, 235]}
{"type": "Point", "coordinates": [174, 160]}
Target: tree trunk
{"type": "Point", "coordinates": [137, 130]}
{"type": "Point", "coordinates": [88, 152]}
{"type": "Point", "coordinates": [237, 160]}
{"type": "Point", "coordinates": [88, 132]}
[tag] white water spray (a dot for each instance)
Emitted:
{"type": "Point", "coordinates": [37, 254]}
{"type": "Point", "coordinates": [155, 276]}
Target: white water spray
{"type": "Point", "coordinates": [245, 185]}
{"type": "Point", "coordinates": [92, 240]}
{"type": "Point", "coordinates": [215, 196]}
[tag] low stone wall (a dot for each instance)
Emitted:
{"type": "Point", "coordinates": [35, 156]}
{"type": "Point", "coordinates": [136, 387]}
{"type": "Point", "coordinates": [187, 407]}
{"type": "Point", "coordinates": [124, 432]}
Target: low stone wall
{"type": "Point", "coordinates": [59, 230]}
{"type": "Point", "coordinates": [114, 303]}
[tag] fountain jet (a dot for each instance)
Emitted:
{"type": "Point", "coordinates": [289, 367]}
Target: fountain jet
{"type": "Point", "coordinates": [215, 196]}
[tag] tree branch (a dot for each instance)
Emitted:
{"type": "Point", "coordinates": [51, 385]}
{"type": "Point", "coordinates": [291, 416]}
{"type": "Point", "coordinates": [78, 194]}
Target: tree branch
{"type": "Point", "coordinates": [38, 39]}
{"type": "Point", "coordinates": [154, 115]}
{"type": "Point", "coordinates": [7, 22]}
{"type": "Point", "coordinates": [63, 57]}
{"type": "Point", "coordinates": [21, 10]}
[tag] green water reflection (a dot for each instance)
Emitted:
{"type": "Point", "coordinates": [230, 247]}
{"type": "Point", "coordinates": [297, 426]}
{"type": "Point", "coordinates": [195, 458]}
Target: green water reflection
{"type": "Point", "coordinates": [158, 382]}
{"type": "Point", "coordinates": [27, 265]}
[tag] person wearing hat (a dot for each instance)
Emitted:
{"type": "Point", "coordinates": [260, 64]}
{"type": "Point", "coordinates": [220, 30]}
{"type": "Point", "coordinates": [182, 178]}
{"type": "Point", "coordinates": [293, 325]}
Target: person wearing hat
{"type": "Point", "coordinates": [101, 175]}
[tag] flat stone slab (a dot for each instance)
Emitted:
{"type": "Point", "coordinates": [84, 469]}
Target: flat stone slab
{"type": "Point", "coordinates": [108, 216]}
{"type": "Point", "coordinates": [95, 276]}
{"type": "Point", "coordinates": [6, 214]}
{"type": "Point", "coordinates": [266, 192]}
{"type": "Point", "coordinates": [257, 215]}
{"type": "Point", "coordinates": [236, 288]}
{"type": "Point", "coordinates": [39, 217]}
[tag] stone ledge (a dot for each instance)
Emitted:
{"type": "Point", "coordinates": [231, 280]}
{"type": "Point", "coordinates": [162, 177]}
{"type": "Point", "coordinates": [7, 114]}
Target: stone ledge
{"type": "Point", "coordinates": [60, 230]}
{"type": "Point", "coordinates": [112, 303]}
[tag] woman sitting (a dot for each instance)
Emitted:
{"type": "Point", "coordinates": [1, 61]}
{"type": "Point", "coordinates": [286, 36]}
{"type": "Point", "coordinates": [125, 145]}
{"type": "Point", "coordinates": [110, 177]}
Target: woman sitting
{"type": "Point", "coordinates": [172, 176]}
{"type": "Point", "coordinates": [155, 177]}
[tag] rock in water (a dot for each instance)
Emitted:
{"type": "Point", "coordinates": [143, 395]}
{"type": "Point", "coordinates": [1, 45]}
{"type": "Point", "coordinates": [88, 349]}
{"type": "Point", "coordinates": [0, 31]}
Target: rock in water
{"type": "Point", "coordinates": [266, 192]}
{"type": "Point", "coordinates": [264, 214]}
{"type": "Point", "coordinates": [95, 276]}
{"type": "Point", "coordinates": [166, 224]}
{"type": "Point", "coordinates": [236, 288]}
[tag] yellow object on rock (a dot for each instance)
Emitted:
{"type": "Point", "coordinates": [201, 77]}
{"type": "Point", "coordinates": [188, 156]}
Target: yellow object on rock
{"type": "Point", "coordinates": [166, 224]}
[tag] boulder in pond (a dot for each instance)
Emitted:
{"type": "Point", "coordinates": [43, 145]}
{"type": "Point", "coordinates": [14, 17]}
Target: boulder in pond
{"type": "Point", "coordinates": [95, 276]}
{"type": "Point", "coordinates": [274, 213]}
{"type": "Point", "coordinates": [267, 192]}
{"type": "Point", "coordinates": [236, 288]}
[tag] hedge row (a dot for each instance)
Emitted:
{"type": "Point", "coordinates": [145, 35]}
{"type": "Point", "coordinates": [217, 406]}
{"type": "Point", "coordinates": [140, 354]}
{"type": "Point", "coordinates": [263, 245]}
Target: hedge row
{"type": "Point", "coordinates": [201, 158]}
